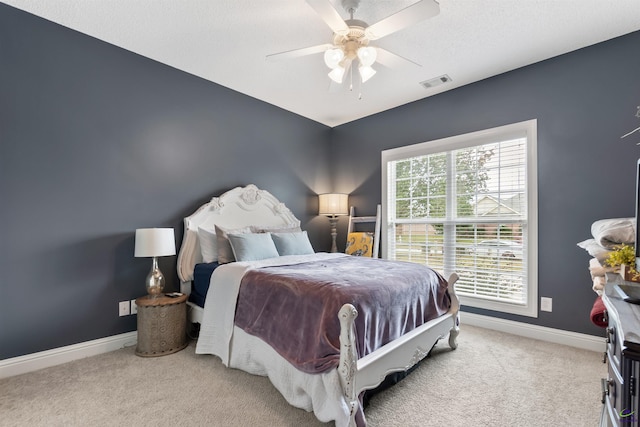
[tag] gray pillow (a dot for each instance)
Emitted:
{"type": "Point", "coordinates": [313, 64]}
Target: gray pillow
{"type": "Point", "coordinates": [296, 243]}
{"type": "Point", "coordinates": [252, 246]}
{"type": "Point", "coordinates": [208, 245]}
{"type": "Point", "coordinates": [225, 253]}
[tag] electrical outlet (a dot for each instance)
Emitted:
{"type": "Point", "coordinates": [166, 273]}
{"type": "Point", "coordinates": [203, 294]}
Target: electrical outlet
{"type": "Point", "coordinates": [134, 307]}
{"type": "Point", "coordinates": [123, 308]}
{"type": "Point", "coordinates": [546, 304]}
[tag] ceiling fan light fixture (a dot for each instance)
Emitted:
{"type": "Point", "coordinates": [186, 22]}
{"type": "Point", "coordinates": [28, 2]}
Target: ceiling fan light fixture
{"type": "Point", "coordinates": [367, 55]}
{"type": "Point", "coordinates": [332, 57]}
{"type": "Point", "coordinates": [351, 37]}
{"type": "Point", "coordinates": [337, 74]}
{"type": "Point", "coordinates": [366, 72]}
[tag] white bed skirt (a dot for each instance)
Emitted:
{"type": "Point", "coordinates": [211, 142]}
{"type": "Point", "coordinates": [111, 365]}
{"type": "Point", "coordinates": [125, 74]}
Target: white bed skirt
{"type": "Point", "coordinates": [320, 393]}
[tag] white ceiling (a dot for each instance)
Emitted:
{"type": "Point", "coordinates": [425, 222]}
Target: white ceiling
{"type": "Point", "coordinates": [226, 42]}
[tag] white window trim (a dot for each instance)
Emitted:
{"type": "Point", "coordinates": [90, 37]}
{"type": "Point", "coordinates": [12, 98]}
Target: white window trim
{"type": "Point", "coordinates": [529, 128]}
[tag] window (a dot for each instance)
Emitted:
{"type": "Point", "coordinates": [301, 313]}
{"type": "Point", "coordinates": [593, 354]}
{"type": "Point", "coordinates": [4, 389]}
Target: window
{"type": "Point", "coordinates": [468, 204]}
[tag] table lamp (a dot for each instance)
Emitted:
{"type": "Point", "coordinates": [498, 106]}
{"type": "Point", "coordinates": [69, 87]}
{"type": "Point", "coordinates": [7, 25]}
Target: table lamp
{"type": "Point", "coordinates": [333, 205]}
{"type": "Point", "coordinates": [155, 242]}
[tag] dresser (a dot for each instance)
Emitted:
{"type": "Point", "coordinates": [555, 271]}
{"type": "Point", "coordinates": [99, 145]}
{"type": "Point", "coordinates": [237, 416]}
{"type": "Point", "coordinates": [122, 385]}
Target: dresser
{"type": "Point", "coordinates": [620, 388]}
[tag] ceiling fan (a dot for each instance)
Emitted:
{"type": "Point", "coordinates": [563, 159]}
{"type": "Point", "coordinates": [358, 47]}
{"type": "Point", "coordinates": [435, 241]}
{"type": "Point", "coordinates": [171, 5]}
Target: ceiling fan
{"type": "Point", "coordinates": [351, 37]}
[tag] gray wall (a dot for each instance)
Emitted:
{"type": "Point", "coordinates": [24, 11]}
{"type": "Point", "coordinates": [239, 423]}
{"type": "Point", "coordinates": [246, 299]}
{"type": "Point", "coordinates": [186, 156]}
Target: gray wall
{"type": "Point", "coordinates": [584, 102]}
{"type": "Point", "coordinates": [95, 142]}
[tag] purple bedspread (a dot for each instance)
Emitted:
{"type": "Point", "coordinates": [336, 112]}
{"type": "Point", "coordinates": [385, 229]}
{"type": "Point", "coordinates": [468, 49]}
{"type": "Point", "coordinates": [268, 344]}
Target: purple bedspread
{"type": "Point", "coordinates": [294, 308]}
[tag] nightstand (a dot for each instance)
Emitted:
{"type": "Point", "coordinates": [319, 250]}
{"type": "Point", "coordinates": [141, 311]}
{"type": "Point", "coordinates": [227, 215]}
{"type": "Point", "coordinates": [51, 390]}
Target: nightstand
{"type": "Point", "coordinates": [162, 325]}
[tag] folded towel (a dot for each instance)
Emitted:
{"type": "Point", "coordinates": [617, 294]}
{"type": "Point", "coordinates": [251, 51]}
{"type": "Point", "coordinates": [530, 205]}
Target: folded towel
{"type": "Point", "coordinates": [596, 269]}
{"type": "Point", "coordinates": [598, 316]}
{"type": "Point", "coordinates": [598, 284]}
{"type": "Point", "coordinates": [611, 232]}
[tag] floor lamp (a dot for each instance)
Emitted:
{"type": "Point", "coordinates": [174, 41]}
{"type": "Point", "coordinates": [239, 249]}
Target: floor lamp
{"type": "Point", "coordinates": [333, 205]}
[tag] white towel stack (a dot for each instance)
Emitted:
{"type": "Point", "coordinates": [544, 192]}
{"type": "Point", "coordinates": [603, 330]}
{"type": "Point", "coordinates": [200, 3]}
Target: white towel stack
{"type": "Point", "coordinates": [607, 234]}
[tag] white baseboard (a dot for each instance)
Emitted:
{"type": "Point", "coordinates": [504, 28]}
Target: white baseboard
{"type": "Point", "coordinates": [543, 333]}
{"type": "Point", "coordinates": [44, 359]}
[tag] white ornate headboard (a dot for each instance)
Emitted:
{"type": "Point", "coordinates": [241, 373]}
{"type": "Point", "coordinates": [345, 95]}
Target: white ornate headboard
{"type": "Point", "coordinates": [239, 207]}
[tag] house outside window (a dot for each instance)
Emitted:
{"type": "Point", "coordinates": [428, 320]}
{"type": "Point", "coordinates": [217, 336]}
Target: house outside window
{"type": "Point", "coordinates": [468, 204]}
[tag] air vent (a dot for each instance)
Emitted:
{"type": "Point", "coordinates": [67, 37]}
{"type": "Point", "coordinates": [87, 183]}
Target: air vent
{"type": "Point", "coordinates": [428, 84]}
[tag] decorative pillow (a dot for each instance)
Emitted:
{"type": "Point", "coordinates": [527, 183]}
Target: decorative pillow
{"type": "Point", "coordinates": [282, 228]}
{"type": "Point", "coordinates": [292, 243]}
{"type": "Point", "coordinates": [360, 244]}
{"type": "Point", "coordinates": [252, 246]}
{"type": "Point", "coordinates": [208, 245]}
{"type": "Point", "coordinates": [225, 253]}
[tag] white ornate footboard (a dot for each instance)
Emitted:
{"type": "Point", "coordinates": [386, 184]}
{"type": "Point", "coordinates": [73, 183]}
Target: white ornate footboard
{"type": "Point", "coordinates": [357, 375]}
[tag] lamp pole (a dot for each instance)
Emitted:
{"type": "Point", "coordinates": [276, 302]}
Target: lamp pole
{"type": "Point", "coordinates": [333, 221]}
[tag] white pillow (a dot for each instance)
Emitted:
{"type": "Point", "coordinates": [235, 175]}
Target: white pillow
{"type": "Point", "coordinates": [292, 243]}
{"type": "Point", "coordinates": [610, 233]}
{"type": "Point", "coordinates": [595, 250]}
{"type": "Point", "coordinates": [208, 245]}
{"type": "Point", "coordinates": [252, 246]}
{"type": "Point", "coordinates": [225, 253]}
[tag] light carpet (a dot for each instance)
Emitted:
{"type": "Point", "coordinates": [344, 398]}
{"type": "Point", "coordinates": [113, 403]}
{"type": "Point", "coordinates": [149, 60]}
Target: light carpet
{"type": "Point", "coordinates": [492, 379]}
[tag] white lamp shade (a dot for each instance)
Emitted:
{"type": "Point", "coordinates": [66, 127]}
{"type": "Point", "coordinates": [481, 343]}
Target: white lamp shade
{"type": "Point", "coordinates": [333, 204]}
{"type": "Point", "coordinates": [367, 55]}
{"type": "Point", "coordinates": [336, 74]}
{"type": "Point", "coordinates": [332, 57]}
{"type": "Point", "coordinates": [152, 242]}
{"type": "Point", "coordinates": [366, 72]}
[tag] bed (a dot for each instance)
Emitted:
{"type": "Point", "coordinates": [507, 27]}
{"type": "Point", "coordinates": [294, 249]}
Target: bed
{"type": "Point", "coordinates": [242, 326]}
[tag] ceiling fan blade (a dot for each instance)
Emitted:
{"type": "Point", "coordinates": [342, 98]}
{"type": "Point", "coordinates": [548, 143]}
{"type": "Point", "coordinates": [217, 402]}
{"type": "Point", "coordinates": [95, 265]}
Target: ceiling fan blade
{"type": "Point", "coordinates": [406, 17]}
{"type": "Point", "coordinates": [329, 15]}
{"type": "Point", "coordinates": [296, 53]}
{"type": "Point", "coordinates": [391, 60]}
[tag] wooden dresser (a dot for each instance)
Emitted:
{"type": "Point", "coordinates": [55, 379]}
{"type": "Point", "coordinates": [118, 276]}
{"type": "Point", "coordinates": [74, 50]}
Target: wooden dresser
{"type": "Point", "coordinates": [620, 389]}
